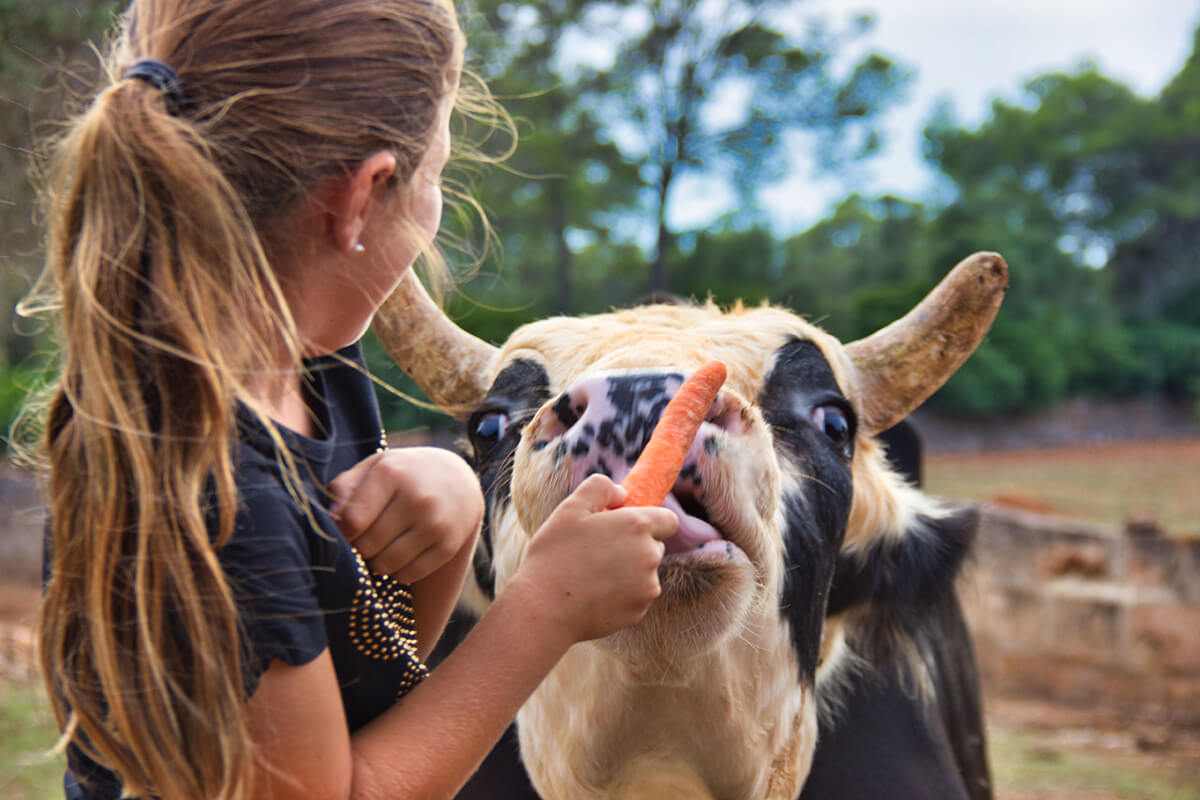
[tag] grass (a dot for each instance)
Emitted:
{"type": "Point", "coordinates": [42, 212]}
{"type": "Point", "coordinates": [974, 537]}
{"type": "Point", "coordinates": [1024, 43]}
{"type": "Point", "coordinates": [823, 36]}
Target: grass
{"type": "Point", "coordinates": [1034, 764]}
{"type": "Point", "coordinates": [27, 731]}
{"type": "Point", "coordinates": [1108, 485]}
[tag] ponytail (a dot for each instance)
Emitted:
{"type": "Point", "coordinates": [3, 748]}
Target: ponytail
{"type": "Point", "coordinates": [156, 262]}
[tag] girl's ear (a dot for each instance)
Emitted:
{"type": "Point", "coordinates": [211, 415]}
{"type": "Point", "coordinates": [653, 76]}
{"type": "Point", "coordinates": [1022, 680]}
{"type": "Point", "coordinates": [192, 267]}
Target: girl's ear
{"type": "Point", "coordinates": [347, 202]}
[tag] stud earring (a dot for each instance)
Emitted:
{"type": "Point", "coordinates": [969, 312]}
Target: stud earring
{"type": "Point", "coordinates": [359, 249]}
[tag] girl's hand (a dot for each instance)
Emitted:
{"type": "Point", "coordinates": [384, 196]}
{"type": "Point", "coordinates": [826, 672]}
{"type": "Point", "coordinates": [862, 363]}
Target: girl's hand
{"type": "Point", "coordinates": [408, 511]}
{"type": "Point", "coordinates": [592, 566]}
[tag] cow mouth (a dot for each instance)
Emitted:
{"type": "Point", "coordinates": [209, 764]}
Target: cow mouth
{"type": "Point", "coordinates": [696, 535]}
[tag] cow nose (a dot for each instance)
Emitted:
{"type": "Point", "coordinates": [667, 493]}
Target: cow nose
{"type": "Point", "coordinates": [602, 422]}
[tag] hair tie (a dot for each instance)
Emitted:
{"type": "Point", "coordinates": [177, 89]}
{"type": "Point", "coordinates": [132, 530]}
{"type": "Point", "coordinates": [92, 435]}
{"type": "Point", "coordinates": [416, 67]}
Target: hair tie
{"type": "Point", "coordinates": [161, 77]}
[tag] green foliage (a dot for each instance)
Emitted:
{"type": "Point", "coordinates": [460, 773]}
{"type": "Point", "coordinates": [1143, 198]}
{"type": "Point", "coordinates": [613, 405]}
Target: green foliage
{"type": "Point", "coordinates": [878, 305]}
{"type": "Point", "coordinates": [566, 184]}
{"type": "Point", "coordinates": [676, 86]}
{"type": "Point", "coordinates": [16, 385]}
{"type": "Point", "coordinates": [1090, 192]}
{"type": "Point", "coordinates": [727, 265]}
{"type": "Point", "coordinates": [1168, 355]}
{"type": "Point", "coordinates": [857, 270]}
{"type": "Point", "coordinates": [988, 383]}
{"type": "Point", "coordinates": [32, 29]}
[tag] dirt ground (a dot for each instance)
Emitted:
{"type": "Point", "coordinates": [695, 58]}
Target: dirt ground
{"type": "Point", "coordinates": [1146, 484]}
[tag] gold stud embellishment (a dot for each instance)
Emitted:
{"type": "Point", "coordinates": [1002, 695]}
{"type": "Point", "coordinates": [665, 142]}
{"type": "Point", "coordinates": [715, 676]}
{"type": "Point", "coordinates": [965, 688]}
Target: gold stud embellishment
{"type": "Point", "coordinates": [382, 623]}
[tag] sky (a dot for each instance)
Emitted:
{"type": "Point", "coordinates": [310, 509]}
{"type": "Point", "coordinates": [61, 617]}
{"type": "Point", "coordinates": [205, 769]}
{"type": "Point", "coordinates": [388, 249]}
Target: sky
{"type": "Point", "coordinates": [971, 51]}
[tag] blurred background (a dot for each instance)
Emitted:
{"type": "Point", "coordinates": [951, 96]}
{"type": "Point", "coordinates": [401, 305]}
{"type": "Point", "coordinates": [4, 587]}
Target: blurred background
{"type": "Point", "coordinates": [835, 157]}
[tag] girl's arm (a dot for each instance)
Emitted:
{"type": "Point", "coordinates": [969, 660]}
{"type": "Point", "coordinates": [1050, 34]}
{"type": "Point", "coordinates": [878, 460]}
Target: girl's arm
{"type": "Point", "coordinates": [587, 573]}
{"type": "Point", "coordinates": [434, 598]}
{"type": "Point", "coordinates": [428, 744]}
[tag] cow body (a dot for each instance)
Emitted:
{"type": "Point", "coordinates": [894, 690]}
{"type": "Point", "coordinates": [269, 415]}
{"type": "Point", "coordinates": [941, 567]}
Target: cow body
{"type": "Point", "coordinates": [796, 593]}
{"type": "Point", "coordinates": [877, 737]}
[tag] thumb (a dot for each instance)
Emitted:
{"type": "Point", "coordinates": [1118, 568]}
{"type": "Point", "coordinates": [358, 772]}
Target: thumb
{"type": "Point", "coordinates": [598, 493]}
{"type": "Point", "coordinates": [342, 487]}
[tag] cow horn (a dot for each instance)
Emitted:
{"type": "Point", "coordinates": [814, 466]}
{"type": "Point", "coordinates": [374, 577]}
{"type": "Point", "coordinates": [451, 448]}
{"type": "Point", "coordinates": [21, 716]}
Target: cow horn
{"type": "Point", "coordinates": [449, 364]}
{"type": "Point", "coordinates": [898, 367]}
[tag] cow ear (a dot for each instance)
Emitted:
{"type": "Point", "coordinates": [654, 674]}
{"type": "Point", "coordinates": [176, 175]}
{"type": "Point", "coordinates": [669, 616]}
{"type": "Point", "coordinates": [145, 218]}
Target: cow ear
{"type": "Point", "coordinates": [905, 574]}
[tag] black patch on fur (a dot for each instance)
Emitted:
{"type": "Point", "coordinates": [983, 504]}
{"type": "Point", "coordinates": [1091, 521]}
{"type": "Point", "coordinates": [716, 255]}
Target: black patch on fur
{"type": "Point", "coordinates": [884, 743]}
{"type": "Point", "coordinates": [905, 575]}
{"type": "Point", "coordinates": [519, 390]}
{"type": "Point", "coordinates": [565, 411]}
{"type": "Point", "coordinates": [924, 748]}
{"type": "Point", "coordinates": [628, 394]}
{"type": "Point", "coordinates": [815, 520]}
{"type": "Point", "coordinates": [904, 449]}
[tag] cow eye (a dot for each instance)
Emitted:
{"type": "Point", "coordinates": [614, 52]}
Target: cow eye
{"type": "Point", "coordinates": [489, 428]}
{"type": "Point", "coordinates": [831, 420]}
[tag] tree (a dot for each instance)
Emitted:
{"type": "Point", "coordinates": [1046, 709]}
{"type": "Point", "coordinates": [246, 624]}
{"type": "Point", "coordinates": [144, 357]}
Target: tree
{"type": "Point", "coordinates": [1157, 265]}
{"type": "Point", "coordinates": [558, 191]}
{"type": "Point", "coordinates": [860, 268]}
{"type": "Point", "coordinates": [716, 86]}
{"type": "Point", "coordinates": [1091, 192]}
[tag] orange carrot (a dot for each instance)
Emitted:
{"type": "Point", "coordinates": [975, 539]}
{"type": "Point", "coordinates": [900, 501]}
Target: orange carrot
{"type": "Point", "coordinates": [656, 470]}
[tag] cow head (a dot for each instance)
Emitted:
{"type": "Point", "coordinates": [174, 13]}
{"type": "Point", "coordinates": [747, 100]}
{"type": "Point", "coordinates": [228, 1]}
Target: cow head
{"type": "Point", "coordinates": [784, 488]}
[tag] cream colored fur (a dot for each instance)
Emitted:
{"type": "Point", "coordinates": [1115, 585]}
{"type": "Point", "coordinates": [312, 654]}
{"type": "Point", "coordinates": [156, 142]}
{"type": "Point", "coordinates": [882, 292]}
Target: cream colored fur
{"type": "Point", "coordinates": [701, 699]}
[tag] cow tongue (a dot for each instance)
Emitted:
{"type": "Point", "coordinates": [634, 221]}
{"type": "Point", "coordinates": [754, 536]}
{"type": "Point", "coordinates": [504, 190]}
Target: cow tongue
{"type": "Point", "coordinates": [692, 531]}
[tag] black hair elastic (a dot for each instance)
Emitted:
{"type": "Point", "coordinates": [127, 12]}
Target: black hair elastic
{"type": "Point", "coordinates": [161, 77]}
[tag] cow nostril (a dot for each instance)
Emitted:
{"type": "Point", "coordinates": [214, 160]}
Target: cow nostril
{"type": "Point", "coordinates": [569, 407]}
{"type": "Point", "coordinates": [560, 417]}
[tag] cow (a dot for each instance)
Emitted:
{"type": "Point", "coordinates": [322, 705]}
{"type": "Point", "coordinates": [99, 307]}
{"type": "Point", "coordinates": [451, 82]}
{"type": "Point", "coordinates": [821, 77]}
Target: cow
{"type": "Point", "coordinates": [808, 626]}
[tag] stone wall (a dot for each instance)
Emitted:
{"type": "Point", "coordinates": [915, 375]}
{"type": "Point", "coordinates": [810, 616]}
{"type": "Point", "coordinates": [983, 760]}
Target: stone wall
{"type": "Point", "coordinates": [1087, 614]}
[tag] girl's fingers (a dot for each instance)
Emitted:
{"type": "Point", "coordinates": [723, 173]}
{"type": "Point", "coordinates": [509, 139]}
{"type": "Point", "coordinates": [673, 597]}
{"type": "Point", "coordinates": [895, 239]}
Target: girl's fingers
{"type": "Point", "coordinates": [663, 523]}
{"type": "Point", "coordinates": [372, 529]}
{"type": "Point", "coordinates": [400, 553]}
{"type": "Point", "coordinates": [596, 493]}
{"type": "Point", "coordinates": [422, 566]}
{"type": "Point", "coordinates": [343, 487]}
{"type": "Point", "coordinates": [658, 522]}
{"type": "Point", "coordinates": [378, 502]}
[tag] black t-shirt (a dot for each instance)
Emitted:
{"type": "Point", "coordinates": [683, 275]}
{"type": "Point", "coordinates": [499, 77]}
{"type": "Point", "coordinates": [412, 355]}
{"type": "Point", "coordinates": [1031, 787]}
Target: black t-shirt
{"type": "Point", "coordinates": [300, 587]}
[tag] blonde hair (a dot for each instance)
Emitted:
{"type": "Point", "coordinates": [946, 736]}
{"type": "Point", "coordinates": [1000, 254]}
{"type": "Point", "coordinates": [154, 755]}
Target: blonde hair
{"type": "Point", "coordinates": [158, 269]}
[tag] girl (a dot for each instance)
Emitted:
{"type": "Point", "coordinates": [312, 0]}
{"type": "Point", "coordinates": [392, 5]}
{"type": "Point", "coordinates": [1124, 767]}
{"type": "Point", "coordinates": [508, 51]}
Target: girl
{"type": "Point", "coordinates": [240, 589]}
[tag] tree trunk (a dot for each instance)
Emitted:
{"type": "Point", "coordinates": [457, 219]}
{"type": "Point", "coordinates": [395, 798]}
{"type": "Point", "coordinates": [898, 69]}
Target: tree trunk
{"type": "Point", "coordinates": [658, 272]}
{"type": "Point", "coordinates": [562, 262]}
